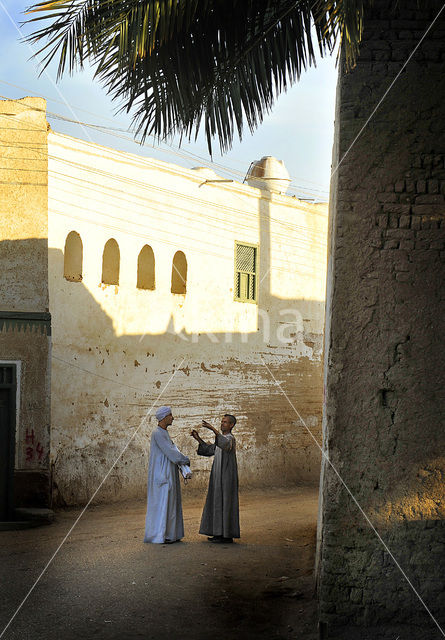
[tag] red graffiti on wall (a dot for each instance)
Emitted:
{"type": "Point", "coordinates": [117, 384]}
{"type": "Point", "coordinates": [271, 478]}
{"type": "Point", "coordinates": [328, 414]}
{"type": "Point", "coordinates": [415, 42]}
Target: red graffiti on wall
{"type": "Point", "coordinates": [33, 452]}
{"type": "Point", "coordinates": [39, 450]}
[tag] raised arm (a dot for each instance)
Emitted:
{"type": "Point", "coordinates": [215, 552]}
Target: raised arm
{"type": "Point", "coordinates": [169, 449]}
{"type": "Point", "coordinates": [204, 448]}
{"type": "Point", "coordinates": [207, 425]}
{"type": "Point", "coordinates": [197, 437]}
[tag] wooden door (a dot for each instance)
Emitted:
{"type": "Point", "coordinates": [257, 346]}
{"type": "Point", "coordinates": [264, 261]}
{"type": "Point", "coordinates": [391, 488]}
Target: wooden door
{"type": "Point", "coordinates": [7, 440]}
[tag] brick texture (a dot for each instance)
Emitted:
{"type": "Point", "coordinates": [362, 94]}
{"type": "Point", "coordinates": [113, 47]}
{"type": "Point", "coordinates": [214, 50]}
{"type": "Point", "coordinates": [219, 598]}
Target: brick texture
{"type": "Point", "coordinates": [385, 358]}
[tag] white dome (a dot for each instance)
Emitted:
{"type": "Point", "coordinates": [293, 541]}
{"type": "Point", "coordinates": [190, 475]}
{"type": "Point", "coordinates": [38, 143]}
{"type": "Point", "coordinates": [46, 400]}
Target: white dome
{"type": "Point", "coordinates": [269, 174]}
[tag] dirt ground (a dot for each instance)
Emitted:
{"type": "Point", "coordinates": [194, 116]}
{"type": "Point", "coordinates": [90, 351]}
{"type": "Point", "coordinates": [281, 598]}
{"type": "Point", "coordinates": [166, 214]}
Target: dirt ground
{"type": "Point", "coordinates": [104, 583]}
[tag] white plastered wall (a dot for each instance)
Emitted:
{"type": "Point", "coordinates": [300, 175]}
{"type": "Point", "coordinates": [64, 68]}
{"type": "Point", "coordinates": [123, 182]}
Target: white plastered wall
{"type": "Point", "coordinates": [116, 347]}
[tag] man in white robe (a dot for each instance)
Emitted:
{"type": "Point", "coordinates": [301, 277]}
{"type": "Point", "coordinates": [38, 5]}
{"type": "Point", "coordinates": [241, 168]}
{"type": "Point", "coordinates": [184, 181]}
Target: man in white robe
{"type": "Point", "coordinates": [164, 523]}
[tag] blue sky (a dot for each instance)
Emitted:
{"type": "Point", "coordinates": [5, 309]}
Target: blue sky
{"type": "Point", "coordinates": [299, 130]}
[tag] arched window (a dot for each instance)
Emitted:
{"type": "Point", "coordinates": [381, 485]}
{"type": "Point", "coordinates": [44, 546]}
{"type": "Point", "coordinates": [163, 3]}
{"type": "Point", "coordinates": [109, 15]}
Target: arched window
{"type": "Point", "coordinates": [179, 273]}
{"type": "Point", "coordinates": [146, 268]}
{"type": "Point", "coordinates": [72, 260]}
{"type": "Point", "coordinates": [110, 262]}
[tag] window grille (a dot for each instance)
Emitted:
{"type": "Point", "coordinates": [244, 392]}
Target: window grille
{"type": "Point", "coordinates": [246, 268]}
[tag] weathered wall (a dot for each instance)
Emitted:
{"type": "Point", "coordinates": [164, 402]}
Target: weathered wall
{"type": "Point", "coordinates": [24, 317]}
{"type": "Point", "coordinates": [116, 347]}
{"type": "Point", "coordinates": [385, 358]}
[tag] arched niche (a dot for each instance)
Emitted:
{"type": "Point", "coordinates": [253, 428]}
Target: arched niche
{"type": "Point", "coordinates": [146, 268]}
{"type": "Point", "coordinates": [72, 257]}
{"type": "Point", "coordinates": [111, 262]}
{"type": "Point", "coordinates": [179, 273]}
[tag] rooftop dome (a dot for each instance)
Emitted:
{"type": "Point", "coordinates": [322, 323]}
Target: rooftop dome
{"type": "Point", "coordinates": [269, 174]}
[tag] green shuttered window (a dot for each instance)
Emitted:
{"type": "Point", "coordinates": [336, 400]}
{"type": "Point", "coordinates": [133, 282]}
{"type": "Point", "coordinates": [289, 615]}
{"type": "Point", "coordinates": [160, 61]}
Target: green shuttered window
{"type": "Point", "coordinates": [246, 272]}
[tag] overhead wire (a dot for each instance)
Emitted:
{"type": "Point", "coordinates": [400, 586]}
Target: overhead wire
{"type": "Point", "coordinates": [168, 211]}
{"type": "Point", "coordinates": [151, 187]}
{"type": "Point", "coordinates": [230, 171]}
{"type": "Point", "coordinates": [199, 218]}
{"type": "Point", "coordinates": [113, 131]}
{"type": "Point", "coordinates": [281, 222]}
{"type": "Point", "coordinates": [85, 167]}
{"type": "Point", "coordinates": [98, 375]}
{"type": "Point", "coordinates": [191, 249]}
{"type": "Point", "coordinates": [155, 233]}
{"type": "Point", "coordinates": [127, 130]}
{"type": "Point", "coordinates": [15, 145]}
{"type": "Point", "coordinates": [175, 151]}
{"type": "Point", "coordinates": [192, 199]}
{"type": "Point", "coordinates": [88, 143]}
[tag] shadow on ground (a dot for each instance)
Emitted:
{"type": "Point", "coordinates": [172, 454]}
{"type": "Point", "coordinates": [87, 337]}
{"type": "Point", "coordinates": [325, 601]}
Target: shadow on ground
{"type": "Point", "coordinates": [106, 584]}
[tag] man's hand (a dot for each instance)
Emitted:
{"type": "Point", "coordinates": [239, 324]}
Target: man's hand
{"type": "Point", "coordinates": [195, 434]}
{"type": "Point", "coordinates": [209, 426]}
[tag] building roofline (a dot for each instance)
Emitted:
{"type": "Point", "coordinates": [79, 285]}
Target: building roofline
{"type": "Point", "coordinates": [191, 174]}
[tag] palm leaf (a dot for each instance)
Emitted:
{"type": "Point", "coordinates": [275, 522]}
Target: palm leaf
{"type": "Point", "coordinates": [180, 64]}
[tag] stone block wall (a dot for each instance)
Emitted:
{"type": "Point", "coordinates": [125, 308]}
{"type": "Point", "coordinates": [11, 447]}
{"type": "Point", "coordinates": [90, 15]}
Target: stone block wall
{"type": "Point", "coordinates": [384, 344]}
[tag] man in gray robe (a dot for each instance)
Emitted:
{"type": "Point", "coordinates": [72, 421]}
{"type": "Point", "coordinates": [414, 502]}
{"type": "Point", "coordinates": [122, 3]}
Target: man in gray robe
{"type": "Point", "coordinates": [164, 523]}
{"type": "Point", "coordinates": [220, 518]}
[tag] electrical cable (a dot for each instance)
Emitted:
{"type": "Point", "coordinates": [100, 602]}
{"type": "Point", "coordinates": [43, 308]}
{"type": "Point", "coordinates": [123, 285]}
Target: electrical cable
{"type": "Point", "coordinates": [218, 227]}
{"type": "Point", "coordinates": [168, 192]}
{"type": "Point", "coordinates": [94, 144]}
{"type": "Point", "coordinates": [191, 249]}
{"type": "Point", "coordinates": [127, 130]}
{"type": "Point", "coordinates": [113, 131]}
{"type": "Point", "coordinates": [160, 208]}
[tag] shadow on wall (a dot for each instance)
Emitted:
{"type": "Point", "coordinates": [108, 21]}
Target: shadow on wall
{"type": "Point", "coordinates": [25, 330]}
{"type": "Point", "coordinates": [103, 384]}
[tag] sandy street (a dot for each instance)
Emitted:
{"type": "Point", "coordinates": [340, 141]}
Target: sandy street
{"type": "Point", "coordinates": [106, 584]}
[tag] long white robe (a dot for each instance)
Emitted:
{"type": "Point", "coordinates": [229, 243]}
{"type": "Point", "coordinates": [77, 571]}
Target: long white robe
{"type": "Point", "coordinates": [164, 507]}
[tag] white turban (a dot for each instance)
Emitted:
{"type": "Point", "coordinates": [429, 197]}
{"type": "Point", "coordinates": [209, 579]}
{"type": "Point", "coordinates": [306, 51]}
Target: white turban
{"type": "Point", "coordinates": [162, 412]}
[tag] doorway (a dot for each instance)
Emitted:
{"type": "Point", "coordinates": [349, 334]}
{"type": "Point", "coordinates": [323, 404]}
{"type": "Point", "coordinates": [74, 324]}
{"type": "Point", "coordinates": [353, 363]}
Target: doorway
{"type": "Point", "coordinates": [8, 385]}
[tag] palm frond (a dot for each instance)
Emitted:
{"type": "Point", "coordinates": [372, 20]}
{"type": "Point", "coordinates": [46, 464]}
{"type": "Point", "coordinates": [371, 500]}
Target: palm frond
{"type": "Point", "coordinates": [347, 17]}
{"type": "Point", "coordinates": [178, 65]}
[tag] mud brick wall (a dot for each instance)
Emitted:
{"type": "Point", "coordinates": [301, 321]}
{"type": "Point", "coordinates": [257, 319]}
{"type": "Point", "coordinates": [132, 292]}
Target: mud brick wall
{"type": "Point", "coordinates": [25, 323]}
{"type": "Point", "coordinates": [384, 425]}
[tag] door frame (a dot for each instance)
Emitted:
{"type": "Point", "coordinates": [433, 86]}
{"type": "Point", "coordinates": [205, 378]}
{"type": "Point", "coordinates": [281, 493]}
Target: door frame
{"type": "Point", "coordinates": [12, 387]}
